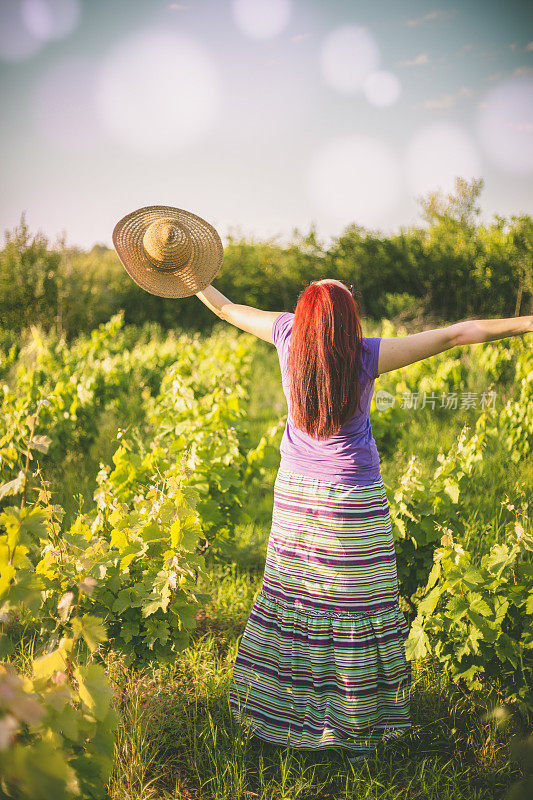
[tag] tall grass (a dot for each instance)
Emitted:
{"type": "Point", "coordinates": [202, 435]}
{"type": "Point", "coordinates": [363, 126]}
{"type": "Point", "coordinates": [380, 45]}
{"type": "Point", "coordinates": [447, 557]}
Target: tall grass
{"type": "Point", "coordinates": [178, 737]}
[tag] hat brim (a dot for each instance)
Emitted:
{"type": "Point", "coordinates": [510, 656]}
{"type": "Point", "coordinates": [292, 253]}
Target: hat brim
{"type": "Point", "coordinates": [204, 263]}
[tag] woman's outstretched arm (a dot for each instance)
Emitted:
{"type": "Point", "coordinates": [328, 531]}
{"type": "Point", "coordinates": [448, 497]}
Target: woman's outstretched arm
{"type": "Point", "coordinates": [247, 318]}
{"type": "Point", "coordinates": [475, 331]}
{"type": "Point", "coordinates": [403, 350]}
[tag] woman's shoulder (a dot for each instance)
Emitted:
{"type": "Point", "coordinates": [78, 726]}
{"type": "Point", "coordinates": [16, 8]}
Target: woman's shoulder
{"type": "Point", "coordinates": [370, 354]}
{"type": "Point", "coordinates": [281, 328]}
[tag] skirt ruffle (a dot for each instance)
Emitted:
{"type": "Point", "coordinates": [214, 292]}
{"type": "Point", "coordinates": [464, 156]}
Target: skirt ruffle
{"type": "Point", "coordinates": [310, 671]}
{"type": "Point", "coordinates": [318, 681]}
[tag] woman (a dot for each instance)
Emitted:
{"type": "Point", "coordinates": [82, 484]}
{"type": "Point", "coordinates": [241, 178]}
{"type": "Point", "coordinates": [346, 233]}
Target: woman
{"type": "Point", "coordinates": [321, 661]}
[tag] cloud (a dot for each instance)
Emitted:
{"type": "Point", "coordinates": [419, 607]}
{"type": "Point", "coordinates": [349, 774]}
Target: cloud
{"type": "Point", "coordinates": [433, 16]}
{"type": "Point", "coordinates": [520, 127]}
{"type": "Point", "coordinates": [494, 77]}
{"type": "Point", "coordinates": [445, 100]}
{"type": "Point", "coordinates": [522, 72]}
{"type": "Point", "coordinates": [419, 61]}
{"type": "Point", "coordinates": [178, 6]}
{"type": "Point", "coordinates": [299, 37]}
{"type": "Point", "coordinates": [529, 46]}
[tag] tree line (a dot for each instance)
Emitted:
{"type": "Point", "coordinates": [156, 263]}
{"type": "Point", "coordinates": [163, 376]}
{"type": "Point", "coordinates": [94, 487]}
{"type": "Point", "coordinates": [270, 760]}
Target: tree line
{"type": "Point", "coordinates": [450, 266]}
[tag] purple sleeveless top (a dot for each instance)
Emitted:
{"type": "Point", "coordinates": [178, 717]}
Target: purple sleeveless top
{"type": "Point", "coordinates": [350, 456]}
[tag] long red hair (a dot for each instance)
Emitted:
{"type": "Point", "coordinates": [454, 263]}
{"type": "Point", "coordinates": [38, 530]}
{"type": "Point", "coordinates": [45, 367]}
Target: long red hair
{"type": "Point", "coordinates": [324, 359]}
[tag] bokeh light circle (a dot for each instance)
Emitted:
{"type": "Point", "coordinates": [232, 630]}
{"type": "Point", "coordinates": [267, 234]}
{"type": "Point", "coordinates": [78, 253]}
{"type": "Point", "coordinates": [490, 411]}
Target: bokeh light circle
{"type": "Point", "coordinates": [158, 92]}
{"type": "Point", "coordinates": [355, 179]}
{"type": "Point", "coordinates": [348, 55]}
{"type": "Point", "coordinates": [261, 19]}
{"type": "Point", "coordinates": [16, 41]}
{"type": "Point", "coordinates": [63, 104]}
{"type": "Point", "coordinates": [382, 88]}
{"type": "Point", "coordinates": [50, 19]}
{"type": "Point", "coordinates": [437, 154]}
{"type": "Point", "coordinates": [505, 125]}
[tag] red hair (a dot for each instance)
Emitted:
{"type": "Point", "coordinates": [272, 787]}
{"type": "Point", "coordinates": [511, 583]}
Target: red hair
{"type": "Point", "coordinates": [324, 359]}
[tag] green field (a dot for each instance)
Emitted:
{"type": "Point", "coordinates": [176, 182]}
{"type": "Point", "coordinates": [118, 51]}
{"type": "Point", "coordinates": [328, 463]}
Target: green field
{"type": "Point", "coordinates": [135, 518]}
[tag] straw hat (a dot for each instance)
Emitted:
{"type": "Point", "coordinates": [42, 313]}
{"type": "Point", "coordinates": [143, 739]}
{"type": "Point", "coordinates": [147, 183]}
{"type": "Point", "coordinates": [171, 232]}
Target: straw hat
{"type": "Point", "coordinates": [167, 251]}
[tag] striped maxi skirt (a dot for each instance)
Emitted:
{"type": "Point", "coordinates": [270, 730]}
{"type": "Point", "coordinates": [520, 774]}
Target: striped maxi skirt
{"type": "Point", "coordinates": [321, 662]}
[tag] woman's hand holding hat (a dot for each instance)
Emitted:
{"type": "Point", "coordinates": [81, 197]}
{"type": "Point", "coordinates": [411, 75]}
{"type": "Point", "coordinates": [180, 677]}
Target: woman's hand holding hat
{"type": "Point", "coordinates": [167, 251]}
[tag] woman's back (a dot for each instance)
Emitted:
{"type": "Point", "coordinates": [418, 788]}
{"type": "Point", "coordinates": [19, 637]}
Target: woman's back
{"type": "Point", "coordinates": [350, 456]}
{"type": "Point", "coordinates": [321, 662]}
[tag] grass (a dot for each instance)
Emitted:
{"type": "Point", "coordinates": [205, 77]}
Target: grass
{"type": "Point", "coordinates": [178, 738]}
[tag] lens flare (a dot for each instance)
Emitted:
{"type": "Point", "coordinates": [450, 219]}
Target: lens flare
{"type": "Point", "coordinates": [261, 19]}
{"type": "Point", "coordinates": [158, 92]}
{"type": "Point", "coordinates": [64, 104]}
{"type": "Point", "coordinates": [355, 179]}
{"type": "Point", "coordinates": [505, 125]}
{"type": "Point", "coordinates": [348, 56]}
{"type": "Point", "coordinates": [382, 88]}
{"type": "Point", "coordinates": [50, 19]}
{"type": "Point", "coordinates": [16, 41]}
{"type": "Point", "coordinates": [438, 154]}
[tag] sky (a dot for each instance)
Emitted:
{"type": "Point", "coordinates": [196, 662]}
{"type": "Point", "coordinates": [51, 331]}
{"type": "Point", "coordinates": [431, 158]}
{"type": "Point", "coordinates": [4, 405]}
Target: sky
{"type": "Point", "coordinates": [261, 116]}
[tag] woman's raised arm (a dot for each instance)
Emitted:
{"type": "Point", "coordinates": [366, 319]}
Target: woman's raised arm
{"type": "Point", "coordinates": [403, 350]}
{"type": "Point", "coordinates": [247, 318]}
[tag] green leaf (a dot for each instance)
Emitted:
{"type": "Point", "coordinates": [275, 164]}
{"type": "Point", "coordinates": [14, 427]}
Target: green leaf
{"type": "Point", "coordinates": [94, 689]}
{"type": "Point", "coordinates": [165, 655]}
{"type": "Point", "coordinates": [184, 534]}
{"type": "Point", "coordinates": [428, 604]}
{"type": "Point", "coordinates": [452, 490]}
{"type": "Point", "coordinates": [456, 607]}
{"type": "Point", "coordinates": [7, 573]}
{"type": "Point", "coordinates": [92, 630]}
{"type": "Point", "coordinates": [433, 575]}
{"type": "Point", "coordinates": [167, 512]}
{"type": "Point", "coordinates": [470, 677]}
{"type": "Point", "coordinates": [400, 524]}
{"type": "Point", "coordinates": [156, 630]}
{"type": "Point", "coordinates": [498, 558]}
{"type": "Point", "coordinates": [478, 605]}
{"type": "Point", "coordinates": [131, 553]}
{"type": "Point", "coordinates": [104, 738]}
{"type": "Point", "coordinates": [128, 630]}
{"type": "Point", "coordinates": [42, 772]}
{"type": "Point", "coordinates": [417, 643]}
{"type": "Point", "coordinates": [506, 650]}
{"type": "Point", "coordinates": [192, 494]}
{"type": "Point", "coordinates": [472, 578]}
{"type": "Point", "coordinates": [127, 598]}
{"type": "Point", "coordinates": [119, 538]}
{"type": "Point", "coordinates": [153, 533]}
{"type": "Point", "coordinates": [489, 632]}
{"type": "Point", "coordinates": [45, 666]}
{"type": "Point", "coordinates": [68, 722]}
{"type": "Point", "coordinates": [27, 590]}
{"type": "Point", "coordinates": [156, 602]}
{"type": "Point", "coordinates": [187, 615]}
